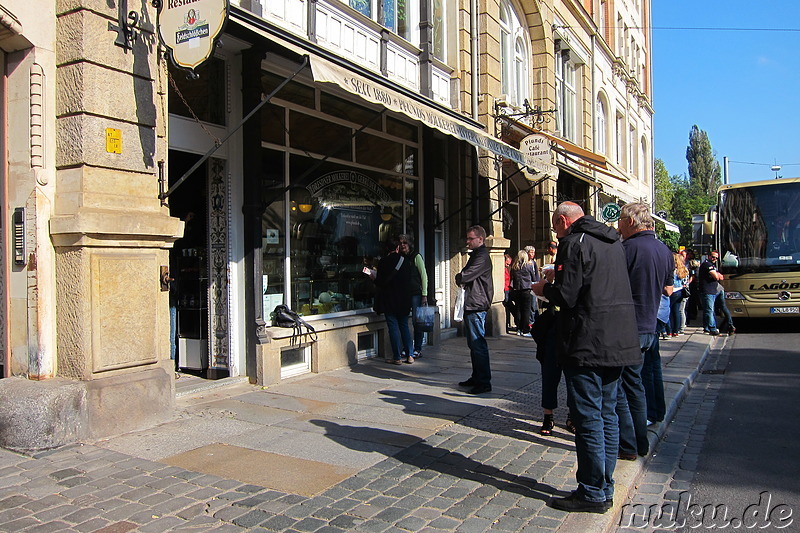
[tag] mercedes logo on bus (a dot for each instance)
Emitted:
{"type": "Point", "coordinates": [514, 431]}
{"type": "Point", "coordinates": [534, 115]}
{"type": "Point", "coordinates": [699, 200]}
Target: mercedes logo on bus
{"type": "Point", "coordinates": [784, 295]}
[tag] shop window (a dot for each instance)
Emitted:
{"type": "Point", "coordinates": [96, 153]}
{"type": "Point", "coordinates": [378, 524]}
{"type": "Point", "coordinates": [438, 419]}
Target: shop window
{"type": "Point", "coordinates": [379, 152]}
{"type": "Point", "coordinates": [273, 124]}
{"type": "Point", "coordinates": [403, 130]}
{"type": "Point", "coordinates": [345, 110]}
{"type": "Point", "coordinates": [350, 215]}
{"type": "Point", "coordinates": [312, 134]}
{"type": "Point", "coordinates": [293, 91]}
{"type": "Point", "coordinates": [205, 95]}
{"type": "Point", "coordinates": [273, 234]}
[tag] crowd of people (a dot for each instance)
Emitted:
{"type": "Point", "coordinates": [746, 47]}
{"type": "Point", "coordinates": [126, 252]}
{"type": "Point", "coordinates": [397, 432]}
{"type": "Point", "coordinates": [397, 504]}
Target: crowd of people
{"type": "Point", "coordinates": [597, 309]}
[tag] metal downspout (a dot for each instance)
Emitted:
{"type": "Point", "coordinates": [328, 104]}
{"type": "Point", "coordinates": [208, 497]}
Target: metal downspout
{"type": "Point", "coordinates": [473, 22]}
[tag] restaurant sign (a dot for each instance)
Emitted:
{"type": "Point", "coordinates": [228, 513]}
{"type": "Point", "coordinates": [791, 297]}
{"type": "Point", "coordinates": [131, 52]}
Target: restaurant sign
{"type": "Point", "coordinates": [190, 28]}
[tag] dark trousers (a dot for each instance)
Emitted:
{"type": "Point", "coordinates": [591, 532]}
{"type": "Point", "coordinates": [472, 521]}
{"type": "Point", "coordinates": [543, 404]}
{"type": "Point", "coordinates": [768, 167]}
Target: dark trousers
{"type": "Point", "coordinates": [522, 309]}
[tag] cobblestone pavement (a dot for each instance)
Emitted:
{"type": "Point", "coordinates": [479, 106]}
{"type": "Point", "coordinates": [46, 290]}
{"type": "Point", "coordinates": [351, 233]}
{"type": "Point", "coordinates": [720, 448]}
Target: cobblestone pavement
{"type": "Point", "coordinates": [489, 470]}
{"type": "Point", "coordinates": [663, 486]}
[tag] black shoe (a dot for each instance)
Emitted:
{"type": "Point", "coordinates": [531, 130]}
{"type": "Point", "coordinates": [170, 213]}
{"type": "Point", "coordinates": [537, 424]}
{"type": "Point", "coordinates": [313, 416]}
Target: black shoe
{"type": "Point", "coordinates": [627, 456]}
{"type": "Point", "coordinates": [574, 504]}
{"type": "Point", "coordinates": [731, 330]}
{"type": "Point", "coordinates": [547, 425]}
{"type": "Point", "coordinates": [714, 332]}
{"type": "Point", "coordinates": [480, 389]}
{"type": "Point", "coordinates": [468, 383]}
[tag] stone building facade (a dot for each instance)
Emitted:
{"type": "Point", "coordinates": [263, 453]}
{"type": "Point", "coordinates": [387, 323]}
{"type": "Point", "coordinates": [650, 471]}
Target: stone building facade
{"type": "Point", "coordinates": [152, 220]}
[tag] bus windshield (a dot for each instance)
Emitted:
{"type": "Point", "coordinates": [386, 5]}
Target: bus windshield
{"type": "Point", "coordinates": [759, 228]}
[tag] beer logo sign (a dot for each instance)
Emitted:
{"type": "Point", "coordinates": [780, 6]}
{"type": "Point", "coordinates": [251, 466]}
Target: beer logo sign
{"type": "Point", "coordinates": [190, 28]}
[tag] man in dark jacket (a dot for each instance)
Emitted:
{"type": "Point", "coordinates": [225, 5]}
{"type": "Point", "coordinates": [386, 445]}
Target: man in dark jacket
{"type": "Point", "coordinates": [476, 279]}
{"type": "Point", "coordinates": [596, 338]}
{"type": "Point", "coordinates": [650, 269]}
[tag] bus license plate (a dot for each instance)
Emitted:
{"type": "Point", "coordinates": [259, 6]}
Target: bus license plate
{"type": "Point", "coordinates": [784, 310]}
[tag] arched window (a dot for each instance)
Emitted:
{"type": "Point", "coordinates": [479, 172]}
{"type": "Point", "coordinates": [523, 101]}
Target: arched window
{"type": "Point", "coordinates": [600, 127]}
{"type": "Point", "coordinates": [644, 161]}
{"type": "Point", "coordinates": [567, 104]}
{"type": "Point", "coordinates": [514, 56]}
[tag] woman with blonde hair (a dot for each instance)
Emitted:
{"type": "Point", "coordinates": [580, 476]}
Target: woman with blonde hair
{"type": "Point", "coordinates": [522, 277]}
{"type": "Point", "coordinates": [677, 301]}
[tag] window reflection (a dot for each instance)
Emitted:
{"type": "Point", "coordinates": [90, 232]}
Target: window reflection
{"type": "Point", "coordinates": [339, 219]}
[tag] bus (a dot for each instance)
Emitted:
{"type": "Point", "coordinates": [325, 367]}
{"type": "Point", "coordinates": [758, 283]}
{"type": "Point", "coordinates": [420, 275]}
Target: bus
{"type": "Point", "coordinates": [757, 234]}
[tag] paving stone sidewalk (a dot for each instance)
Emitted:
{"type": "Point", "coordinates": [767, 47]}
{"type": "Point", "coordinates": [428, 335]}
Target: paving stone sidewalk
{"type": "Point", "coordinates": [401, 450]}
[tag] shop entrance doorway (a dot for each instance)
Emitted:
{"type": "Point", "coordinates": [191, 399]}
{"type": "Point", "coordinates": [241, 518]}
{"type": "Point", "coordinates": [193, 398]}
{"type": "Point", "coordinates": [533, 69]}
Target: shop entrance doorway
{"type": "Point", "coordinates": [189, 268]}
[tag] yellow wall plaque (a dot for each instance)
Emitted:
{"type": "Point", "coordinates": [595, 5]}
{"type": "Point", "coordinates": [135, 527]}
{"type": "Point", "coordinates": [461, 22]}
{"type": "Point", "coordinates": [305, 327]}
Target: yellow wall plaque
{"type": "Point", "coordinates": [113, 141]}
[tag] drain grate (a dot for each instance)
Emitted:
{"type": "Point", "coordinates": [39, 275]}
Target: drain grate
{"type": "Point", "coordinates": [714, 371]}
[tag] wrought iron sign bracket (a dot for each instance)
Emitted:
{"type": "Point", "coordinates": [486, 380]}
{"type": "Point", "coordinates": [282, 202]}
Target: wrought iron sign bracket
{"type": "Point", "coordinates": [126, 31]}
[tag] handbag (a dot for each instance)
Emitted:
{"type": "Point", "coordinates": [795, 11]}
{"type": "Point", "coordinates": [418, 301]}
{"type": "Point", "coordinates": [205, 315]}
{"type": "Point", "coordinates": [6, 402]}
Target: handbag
{"type": "Point", "coordinates": [458, 309]}
{"type": "Point", "coordinates": [284, 317]}
{"type": "Point", "coordinates": [424, 318]}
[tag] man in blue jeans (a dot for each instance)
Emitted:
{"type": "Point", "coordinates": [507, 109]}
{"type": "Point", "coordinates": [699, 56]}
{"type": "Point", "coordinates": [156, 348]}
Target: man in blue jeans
{"type": "Point", "coordinates": [476, 279]}
{"type": "Point", "coordinates": [651, 271]}
{"type": "Point", "coordinates": [712, 295]}
{"type": "Point", "coordinates": [596, 338]}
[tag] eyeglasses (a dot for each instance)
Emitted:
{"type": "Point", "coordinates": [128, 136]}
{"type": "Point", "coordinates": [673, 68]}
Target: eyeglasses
{"type": "Point", "coordinates": [403, 242]}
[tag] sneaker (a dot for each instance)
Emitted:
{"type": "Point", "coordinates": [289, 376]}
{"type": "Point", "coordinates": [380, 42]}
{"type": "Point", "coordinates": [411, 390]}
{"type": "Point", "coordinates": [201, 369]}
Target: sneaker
{"type": "Point", "coordinates": [417, 354]}
{"type": "Point", "coordinates": [714, 332]}
{"type": "Point", "coordinates": [574, 504]}
{"type": "Point", "coordinates": [731, 330]}
{"type": "Point", "coordinates": [525, 335]}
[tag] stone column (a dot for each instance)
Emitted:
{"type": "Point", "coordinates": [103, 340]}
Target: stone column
{"type": "Point", "coordinates": [110, 231]}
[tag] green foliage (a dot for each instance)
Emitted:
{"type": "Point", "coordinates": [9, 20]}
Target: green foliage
{"type": "Point", "coordinates": [705, 174]}
{"type": "Point", "coordinates": [664, 192]}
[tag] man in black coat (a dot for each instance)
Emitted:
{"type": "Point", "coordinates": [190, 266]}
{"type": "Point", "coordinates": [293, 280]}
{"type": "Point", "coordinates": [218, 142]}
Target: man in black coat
{"type": "Point", "coordinates": [476, 279]}
{"type": "Point", "coordinates": [596, 338]}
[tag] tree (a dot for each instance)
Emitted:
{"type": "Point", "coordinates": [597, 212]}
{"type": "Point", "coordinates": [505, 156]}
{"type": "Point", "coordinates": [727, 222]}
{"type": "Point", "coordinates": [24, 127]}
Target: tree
{"type": "Point", "coordinates": [705, 175]}
{"type": "Point", "coordinates": [663, 188]}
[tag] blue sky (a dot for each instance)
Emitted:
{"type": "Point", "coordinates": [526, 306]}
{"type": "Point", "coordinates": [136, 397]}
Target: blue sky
{"type": "Point", "coordinates": [741, 87]}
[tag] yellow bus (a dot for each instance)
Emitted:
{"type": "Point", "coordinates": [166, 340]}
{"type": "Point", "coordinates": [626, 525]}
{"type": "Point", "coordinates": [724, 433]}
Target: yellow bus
{"type": "Point", "coordinates": [758, 239]}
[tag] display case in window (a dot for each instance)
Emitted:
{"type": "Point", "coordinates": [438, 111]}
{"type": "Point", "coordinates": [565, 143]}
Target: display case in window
{"type": "Point", "coordinates": [192, 309]}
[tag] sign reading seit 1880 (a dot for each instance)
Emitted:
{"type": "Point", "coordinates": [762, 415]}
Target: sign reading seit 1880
{"type": "Point", "coordinates": [189, 28]}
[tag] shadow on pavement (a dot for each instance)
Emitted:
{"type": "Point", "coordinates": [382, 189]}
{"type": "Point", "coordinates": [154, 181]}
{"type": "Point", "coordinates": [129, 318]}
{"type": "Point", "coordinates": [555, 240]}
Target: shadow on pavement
{"type": "Point", "coordinates": [443, 461]}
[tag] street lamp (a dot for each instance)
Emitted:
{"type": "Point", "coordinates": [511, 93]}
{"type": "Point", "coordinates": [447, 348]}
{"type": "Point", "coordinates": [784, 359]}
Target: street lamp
{"type": "Point", "coordinates": [775, 169]}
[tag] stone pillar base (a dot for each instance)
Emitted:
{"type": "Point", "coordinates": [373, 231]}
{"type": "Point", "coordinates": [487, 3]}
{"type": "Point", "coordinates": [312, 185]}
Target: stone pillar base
{"type": "Point", "coordinates": [40, 415]}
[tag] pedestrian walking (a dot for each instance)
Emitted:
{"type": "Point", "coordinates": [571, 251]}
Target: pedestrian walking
{"type": "Point", "coordinates": [476, 279]}
{"type": "Point", "coordinates": [596, 338]}
{"type": "Point", "coordinates": [713, 295]}
{"type": "Point", "coordinates": [531, 250]}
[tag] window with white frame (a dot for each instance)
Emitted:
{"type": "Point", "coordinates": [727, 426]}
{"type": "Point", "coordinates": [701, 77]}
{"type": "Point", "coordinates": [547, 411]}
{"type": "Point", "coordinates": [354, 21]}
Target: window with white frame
{"type": "Point", "coordinates": [603, 19]}
{"type": "Point", "coordinates": [601, 119]}
{"type": "Point", "coordinates": [567, 107]}
{"type": "Point", "coordinates": [398, 16]}
{"type": "Point", "coordinates": [514, 56]}
{"type": "Point", "coordinates": [619, 139]}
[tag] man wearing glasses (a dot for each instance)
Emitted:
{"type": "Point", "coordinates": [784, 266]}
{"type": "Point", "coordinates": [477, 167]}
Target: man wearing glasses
{"type": "Point", "coordinates": [596, 338]}
{"type": "Point", "coordinates": [476, 279]}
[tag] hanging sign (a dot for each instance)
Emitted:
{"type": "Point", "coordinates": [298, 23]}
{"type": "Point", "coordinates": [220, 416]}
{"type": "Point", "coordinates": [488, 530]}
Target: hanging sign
{"type": "Point", "coordinates": [190, 28]}
{"type": "Point", "coordinates": [537, 147]}
{"type": "Point", "coordinates": [610, 212]}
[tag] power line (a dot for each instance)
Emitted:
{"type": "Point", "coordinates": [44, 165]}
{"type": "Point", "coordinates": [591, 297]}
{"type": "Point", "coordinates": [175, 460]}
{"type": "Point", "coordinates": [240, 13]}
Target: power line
{"type": "Point", "coordinates": [700, 28]}
{"type": "Point", "coordinates": [763, 164]}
